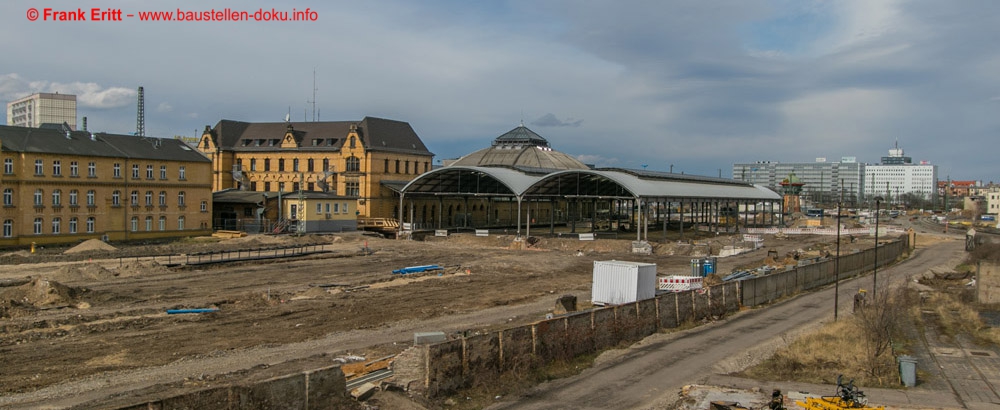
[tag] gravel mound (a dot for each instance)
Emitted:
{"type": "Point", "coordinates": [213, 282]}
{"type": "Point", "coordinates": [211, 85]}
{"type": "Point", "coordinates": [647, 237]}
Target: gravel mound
{"type": "Point", "coordinates": [91, 245]}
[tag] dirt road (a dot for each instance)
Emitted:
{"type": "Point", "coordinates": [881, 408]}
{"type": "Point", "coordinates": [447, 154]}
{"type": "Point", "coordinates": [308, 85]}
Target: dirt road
{"type": "Point", "coordinates": [650, 374]}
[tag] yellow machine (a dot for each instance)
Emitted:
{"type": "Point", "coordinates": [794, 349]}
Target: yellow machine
{"type": "Point", "coordinates": [848, 397]}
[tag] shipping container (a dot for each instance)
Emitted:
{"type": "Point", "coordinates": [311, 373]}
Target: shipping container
{"type": "Point", "coordinates": [619, 282]}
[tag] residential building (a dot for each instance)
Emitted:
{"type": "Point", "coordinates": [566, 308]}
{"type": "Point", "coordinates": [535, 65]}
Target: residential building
{"type": "Point", "coordinates": [822, 179]}
{"type": "Point", "coordinates": [357, 159]}
{"type": "Point", "coordinates": [63, 187]}
{"type": "Point", "coordinates": [993, 201]}
{"type": "Point", "coordinates": [42, 108]}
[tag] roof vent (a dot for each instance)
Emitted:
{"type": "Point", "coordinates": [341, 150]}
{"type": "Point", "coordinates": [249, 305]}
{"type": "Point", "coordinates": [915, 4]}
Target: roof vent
{"type": "Point", "coordinates": [66, 129]}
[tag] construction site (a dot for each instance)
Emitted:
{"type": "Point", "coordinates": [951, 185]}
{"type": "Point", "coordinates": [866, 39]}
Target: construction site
{"type": "Point", "coordinates": [102, 326]}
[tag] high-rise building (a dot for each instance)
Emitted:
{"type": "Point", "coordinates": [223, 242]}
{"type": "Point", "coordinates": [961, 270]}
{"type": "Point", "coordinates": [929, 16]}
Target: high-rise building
{"type": "Point", "coordinates": [822, 179]}
{"type": "Point", "coordinates": [898, 175]}
{"type": "Point", "coordinates": [42, 108]}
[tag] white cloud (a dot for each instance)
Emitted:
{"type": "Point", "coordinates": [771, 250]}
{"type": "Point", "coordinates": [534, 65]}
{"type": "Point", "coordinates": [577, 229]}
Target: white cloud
{"type": "Point", "coordinates": [164, 107]}
{"type": "Point", "coordinates": [88, 95]}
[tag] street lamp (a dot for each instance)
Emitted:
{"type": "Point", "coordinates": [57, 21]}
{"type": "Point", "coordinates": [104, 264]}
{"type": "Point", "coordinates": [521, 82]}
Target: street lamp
{"type": "Point", "coordinates": [878, 200]}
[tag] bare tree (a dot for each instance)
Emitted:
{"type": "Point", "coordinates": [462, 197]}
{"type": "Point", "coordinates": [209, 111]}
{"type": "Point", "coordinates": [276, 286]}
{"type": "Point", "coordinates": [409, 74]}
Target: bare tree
{"type": "Point", "coordinates": [877, 321]}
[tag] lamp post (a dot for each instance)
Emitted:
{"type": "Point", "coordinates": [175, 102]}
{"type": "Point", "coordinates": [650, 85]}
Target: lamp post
{"type": "Point", "coordinates": [878, 200]}
{"type": "Point", "coordinates": [836, 262]}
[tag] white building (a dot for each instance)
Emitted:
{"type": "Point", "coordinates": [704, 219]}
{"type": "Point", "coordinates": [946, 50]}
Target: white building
{"type": "Point", "coordinates": [42, 108]}
{"type": "Point", "coordinates": [992, 201]}
{"type": "Point", "coordinates": [898, 175]}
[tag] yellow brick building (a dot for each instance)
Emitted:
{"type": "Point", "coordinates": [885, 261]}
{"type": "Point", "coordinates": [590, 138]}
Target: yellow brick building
{"type": "Point", "coordinates": [66, 186]}
{"type": "Point", "coordinates": [357, 159]}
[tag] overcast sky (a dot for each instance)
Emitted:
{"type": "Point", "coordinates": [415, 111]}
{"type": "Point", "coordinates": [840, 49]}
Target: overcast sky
{"type": "Point", "coordinates": [694, 84]}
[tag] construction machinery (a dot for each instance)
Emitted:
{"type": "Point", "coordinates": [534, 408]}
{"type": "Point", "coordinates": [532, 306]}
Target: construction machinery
{"type": "Point", "coordinates": [847, 397]}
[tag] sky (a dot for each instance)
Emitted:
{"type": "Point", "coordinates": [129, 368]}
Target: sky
{"type": "Point", "coordinates": [689, 86]}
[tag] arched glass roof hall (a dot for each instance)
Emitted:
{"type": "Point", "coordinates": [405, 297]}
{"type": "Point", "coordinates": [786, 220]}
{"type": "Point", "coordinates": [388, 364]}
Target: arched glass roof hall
{"type": "Point", "coordinates": [643, 195]}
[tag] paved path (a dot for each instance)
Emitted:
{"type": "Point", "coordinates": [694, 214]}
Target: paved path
{"type": "Point", "coordinates": [650, 374]}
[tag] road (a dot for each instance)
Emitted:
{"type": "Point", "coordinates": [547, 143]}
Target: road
{"type": "Point", "coordinates": [650, 375]}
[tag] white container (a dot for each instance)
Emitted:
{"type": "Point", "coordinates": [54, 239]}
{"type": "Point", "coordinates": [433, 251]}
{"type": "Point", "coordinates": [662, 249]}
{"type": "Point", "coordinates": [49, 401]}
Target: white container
{"type": "Point", "coordinates": [619, 282]}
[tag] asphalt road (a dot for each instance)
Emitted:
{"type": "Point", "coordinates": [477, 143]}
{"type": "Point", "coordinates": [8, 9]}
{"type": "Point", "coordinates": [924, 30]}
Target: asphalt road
{"type": "Point", "coordinates": [650, 375]}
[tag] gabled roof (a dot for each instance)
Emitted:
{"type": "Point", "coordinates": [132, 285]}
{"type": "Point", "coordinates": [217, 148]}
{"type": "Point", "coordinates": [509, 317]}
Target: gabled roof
{"type": "Point", "coordinates": [376, 134]}
{"type": "Point", "coordinates": [83, 143]}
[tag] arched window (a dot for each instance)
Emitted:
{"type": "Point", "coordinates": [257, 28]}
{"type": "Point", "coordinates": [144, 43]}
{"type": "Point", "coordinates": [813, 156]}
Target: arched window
{"type": "Point", "coordinates": [38, 197]}
{"type": "Point", "coordinates": [90, 224]}
{"type": "Point", "coordinates": [116, 198]}
{"type": "Point", "coordinates": [135, 223]}
{"type": "Point", "coordinates": [8, 228]}
{"type": "Point", "coordinates": [353, 164]}
{"type": "Point", "coordinates": [8, 197]}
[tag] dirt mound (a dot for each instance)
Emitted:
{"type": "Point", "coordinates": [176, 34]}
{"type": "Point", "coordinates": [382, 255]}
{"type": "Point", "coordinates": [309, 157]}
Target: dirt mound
{"type": "Point", "coordinates": [85, 272]}
{"type": "Point", "coordinates": [141, 268]}
{"type": "Point", "coordinates": [40, 293]}
{"type": "Point", "coordinates": [91, 245]}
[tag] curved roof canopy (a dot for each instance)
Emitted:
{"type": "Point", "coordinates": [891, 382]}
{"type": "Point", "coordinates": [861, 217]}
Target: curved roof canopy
{"type": "Point", "coordinates": [600, 183]}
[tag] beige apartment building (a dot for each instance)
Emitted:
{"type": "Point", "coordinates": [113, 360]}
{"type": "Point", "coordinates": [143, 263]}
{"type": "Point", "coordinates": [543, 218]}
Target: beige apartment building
{"type": "Point", "coordinates": [68, 186]}
{"type": "Point", "coordinates": [42, 108]}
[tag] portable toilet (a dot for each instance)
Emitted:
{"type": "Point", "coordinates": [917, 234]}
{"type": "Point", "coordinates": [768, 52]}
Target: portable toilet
{"type": "Point", "coordinates": [709, 266]}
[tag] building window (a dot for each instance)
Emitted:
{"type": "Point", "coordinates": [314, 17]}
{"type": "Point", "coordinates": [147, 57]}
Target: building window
{"type": "Point", "coordinates": [344, 208]}
{"type": "Point", "coordinates": [326, 164]}
{"type": "Point", "coordinates": [253, 164]}
{"type": "Point", "coordinates": [133, 198]}
{"type": "Point", "coordinates": [38, 167]}
{"type": "Point", "coordinates": [427, 166]}
{"type": "Point", "coordinates": [354, 142]}
{"type": "Point", "coordinates": [8, 166]}
{"type": "Point", "coordinates": [353, 164]}
{"type": "Point", "coordinates": [72, 224]}
{"type": "Point", "coordinates": [309, 165]}
{"type": "Point", "coordinates": [149, 172]}
{"type": "Point", "coordinates": [386, 166]}
{"type": "Point", "coordinates": [180, 223]}
{"type": "Point", "coordinates": [163, 172]}
{"type": "Point", "coordinates": [407, 171]}
{"type": "Point", "coordinates": [74, 169]}
{"type": "Point", "coordinates": [8, 197]}
{"type": "Point", "coordinates": [281, 164]}
{"type": "Point", "coordinates": [163, 198]}
{"type": "Point", "coordinates": [116, 198]}
{"type": "Point", "coordinates": [180, 198]}
{"type": "Point", "coordinates": [118, 170]}
{"type": "Point", "coordinates": [90, 224]}
{"type": "Point", "coordinates": [204, 206]}
{"type": "Point", "coordinates": [135, 224]}
{"type": "Point", "coordinates": [267, 187]}
{"type": "Point", "coordinates": [8, 228]}
{"type": "Point", "coordinates": [92, 169]}
{"type": "Point", "coordinates": [56, 228]}
{"type": "Point", "coordinates": [295, 164]}
{"type": "Point", "coordinates": [182, 173]}
{"type": "Point", "coordinates": [295, 186]}
{"type": "Point", "coordinates": [319, 208]}
{"type": "Point", "coordinates": [56, 197]}
{"type": "Point", "coordinates": [397, 166]}
{"type": "Point", "coordinates": [163, 223]}
{"type": "Point", "coordinates": [149, 223]}
{"type": "Point", "coordinates": [149, 198]}
{"type": "Point", "coordinates": [327, 207]}
{"type": "Point", "coordinates": [38, 197]}
{"type": "Point", "coordinates": [135, 171]}
{"type": "Point", "coordinates": [352, 189]}
{"type": "Point", "coordinates": [37, 226]}
{"type": "Point", "coordinates": [57, 168]}
{"type": "Point", "coordinates": [90, 197]}
{"type": "Point", "coordinates": [267, 164]}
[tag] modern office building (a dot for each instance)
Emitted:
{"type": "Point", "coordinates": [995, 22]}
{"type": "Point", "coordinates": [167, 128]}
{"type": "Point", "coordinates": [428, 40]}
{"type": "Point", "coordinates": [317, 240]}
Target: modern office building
{"type": "Point", "coordinates": [42, 108]}
{"type": "Point", "coordinates": [822, 179]}
{"type": "Point", "coordinates": [898, 175]}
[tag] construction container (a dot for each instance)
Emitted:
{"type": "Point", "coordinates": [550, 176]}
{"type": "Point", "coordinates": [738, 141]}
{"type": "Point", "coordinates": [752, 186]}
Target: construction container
{"type": "Point", "coordinates": [618, 282]}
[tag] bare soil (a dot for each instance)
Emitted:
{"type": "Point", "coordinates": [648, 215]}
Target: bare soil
{"type": "Point", "coordinates": [65, 317]}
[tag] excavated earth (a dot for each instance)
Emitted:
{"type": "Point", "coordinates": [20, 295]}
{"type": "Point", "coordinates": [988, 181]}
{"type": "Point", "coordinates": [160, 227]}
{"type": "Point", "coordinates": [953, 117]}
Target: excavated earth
{"type": "Point", "coordinates": [67, 316]}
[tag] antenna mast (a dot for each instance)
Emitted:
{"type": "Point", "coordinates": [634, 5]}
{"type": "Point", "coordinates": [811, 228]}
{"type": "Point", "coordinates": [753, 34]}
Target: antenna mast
{"type": "Point", "coordinates": [140, 117]}
{"type": "Point", "coordinates": [313, 102]}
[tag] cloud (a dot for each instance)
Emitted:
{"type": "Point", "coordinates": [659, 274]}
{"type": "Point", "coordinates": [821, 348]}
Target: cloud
{"type": "Point", "coordinates": [550, 120]}
{"type": "Point", "coordinates": [164, 107]}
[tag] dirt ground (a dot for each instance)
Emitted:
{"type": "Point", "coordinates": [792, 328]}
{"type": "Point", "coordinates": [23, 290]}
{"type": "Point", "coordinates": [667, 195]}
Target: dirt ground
{"type": "Point", "coordinates": [67, 316]}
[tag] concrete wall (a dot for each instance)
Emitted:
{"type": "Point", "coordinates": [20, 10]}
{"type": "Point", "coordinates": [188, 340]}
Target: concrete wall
{"type": "Point", "coordinates": [319, 389]}
{"type": "Point", "coordinates": [988, 282]}
{"type": "Point", "coordinates": [458, 363]}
